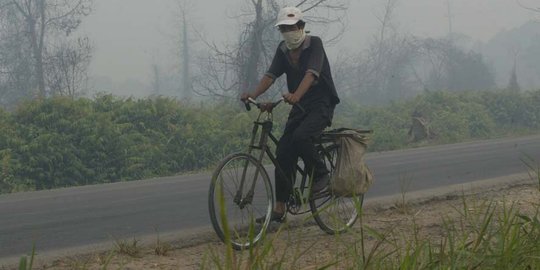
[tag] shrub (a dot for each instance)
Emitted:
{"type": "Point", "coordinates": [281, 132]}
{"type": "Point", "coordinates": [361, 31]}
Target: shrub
{"type": "Point", "coordinates": [60, 142]}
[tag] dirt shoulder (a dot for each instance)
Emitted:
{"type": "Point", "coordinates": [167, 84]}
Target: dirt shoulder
{"type": "Point", "coordinates": [306, 242]}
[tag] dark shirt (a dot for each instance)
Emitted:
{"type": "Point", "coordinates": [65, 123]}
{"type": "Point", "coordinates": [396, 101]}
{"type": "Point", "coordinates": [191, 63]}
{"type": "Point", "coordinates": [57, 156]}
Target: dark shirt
{"type": "Point", "coordinates": [312, 59]}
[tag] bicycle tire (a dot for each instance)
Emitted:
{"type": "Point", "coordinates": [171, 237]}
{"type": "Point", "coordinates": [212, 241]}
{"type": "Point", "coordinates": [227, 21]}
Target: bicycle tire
{"type": "Point", "coordinates": [234, 223]}
{"type": "Point", "coordinates": [334, 214]}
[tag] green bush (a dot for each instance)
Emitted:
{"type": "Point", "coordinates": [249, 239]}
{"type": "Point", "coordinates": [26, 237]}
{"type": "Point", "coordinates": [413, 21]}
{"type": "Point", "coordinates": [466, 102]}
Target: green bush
{"type": "Point", "coordinates": [62, 142]}
{"type": "Point", "coordinates": [8, 141]}
{"type": "Point", "coordinates": [454, 117]}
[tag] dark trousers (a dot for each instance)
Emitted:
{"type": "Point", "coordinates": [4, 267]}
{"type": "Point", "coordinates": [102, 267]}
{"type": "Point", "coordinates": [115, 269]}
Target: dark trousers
{"type": "Point", "coordinates": [298, 141]}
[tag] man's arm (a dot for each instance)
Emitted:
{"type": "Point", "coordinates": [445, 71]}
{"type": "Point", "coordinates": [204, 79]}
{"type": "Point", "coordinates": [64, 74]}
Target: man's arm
{"type": "Point", "coordinates": [264, 84]}
{"type": "Point", "coordinates": [302, 89]}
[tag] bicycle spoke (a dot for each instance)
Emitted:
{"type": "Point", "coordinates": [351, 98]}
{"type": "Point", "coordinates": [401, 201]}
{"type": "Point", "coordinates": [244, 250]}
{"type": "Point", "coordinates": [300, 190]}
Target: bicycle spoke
{"type": "Point", "coordinates": [234, 173]}
{"type": "Point", "coordinates": [333, 214]}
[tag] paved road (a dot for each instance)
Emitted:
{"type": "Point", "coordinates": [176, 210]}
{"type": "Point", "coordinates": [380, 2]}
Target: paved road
{"type": "Point", "coordinates": [71, 217]}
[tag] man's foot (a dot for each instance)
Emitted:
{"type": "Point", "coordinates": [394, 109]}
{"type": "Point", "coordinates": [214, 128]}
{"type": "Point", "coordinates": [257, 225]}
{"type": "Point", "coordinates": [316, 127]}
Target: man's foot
{"type": "Point", "coordinates": [320, 183]}
{"type": "Point", "coordinates": [275, 216]}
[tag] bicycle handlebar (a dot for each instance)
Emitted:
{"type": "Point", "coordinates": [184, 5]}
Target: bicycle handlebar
{"type": "Point", "coordinates": [268, 106]}
{"type": "Point", "coordinates": [250, 100]}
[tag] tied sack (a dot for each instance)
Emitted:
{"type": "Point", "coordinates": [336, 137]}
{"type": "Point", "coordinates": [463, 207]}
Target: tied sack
{"type": "Point", "coordinates": [352, 176]}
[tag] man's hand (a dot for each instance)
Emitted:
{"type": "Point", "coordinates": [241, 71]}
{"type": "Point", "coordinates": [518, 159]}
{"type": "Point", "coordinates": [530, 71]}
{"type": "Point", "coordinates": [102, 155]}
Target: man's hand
{"type": "Point", "coordinates": [245, 96]}
{"type": "Point", "coordinates": [291, 98]}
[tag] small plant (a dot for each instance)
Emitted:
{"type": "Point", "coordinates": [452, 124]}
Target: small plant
{"type": "Point", "coordinates": [402, 205]}
{"type": "Point", "coordinates": [129, 248]}
{"type": "Point", "coordinates": [161, 248]}
{"type": "Point", "coordinates": [105, 259]}
{"type": "Point", "coordinates": [24, 264]}
{"type": "Point", "coordinates": [533, 168]}
{"type": "Point", "coordinates": [79, 264]}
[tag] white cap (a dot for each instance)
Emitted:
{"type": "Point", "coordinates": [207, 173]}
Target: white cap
{"type": "Point", "coordinates": [289, 16]}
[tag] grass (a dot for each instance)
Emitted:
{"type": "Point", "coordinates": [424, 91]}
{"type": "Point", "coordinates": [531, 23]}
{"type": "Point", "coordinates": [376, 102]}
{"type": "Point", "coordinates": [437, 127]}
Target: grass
{"type": "Point", "coordinates": [477, 234]}
{"type": "Point", "coordinates": [404, 185]}
{"type": "Point", "coordinates": [162, 248]}
{"type": "Point", "coordinates": [24, 264]}
{"type": "Point", "coordinates": [105, 259]}
{"type": "Point", "coordinates": [127, 247]}
{"type": "Point", "coordinates": [533, 168]}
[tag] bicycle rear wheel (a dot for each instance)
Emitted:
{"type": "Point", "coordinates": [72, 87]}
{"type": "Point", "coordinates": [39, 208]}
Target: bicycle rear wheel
{"type": "Point", "coordinates": [334, 214]}
{"type": "Point", "coordinates": [233, 208]}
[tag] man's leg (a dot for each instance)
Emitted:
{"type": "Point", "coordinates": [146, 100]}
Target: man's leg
{"type": "Point", "coordinates": [287, 158]}
{"type": "Point", "coordinates": [303, 138]}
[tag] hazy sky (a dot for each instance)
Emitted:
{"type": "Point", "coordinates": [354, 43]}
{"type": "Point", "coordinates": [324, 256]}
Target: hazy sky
{"type": "Point", "coordinates": [131, 35]}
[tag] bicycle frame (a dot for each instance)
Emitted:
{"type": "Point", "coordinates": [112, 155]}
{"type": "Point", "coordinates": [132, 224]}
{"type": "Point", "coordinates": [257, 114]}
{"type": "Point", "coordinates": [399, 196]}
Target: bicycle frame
{"type": "Point", "coordinates": [266, 128]}
{"type": "Point", "coordinates": [264, 125]}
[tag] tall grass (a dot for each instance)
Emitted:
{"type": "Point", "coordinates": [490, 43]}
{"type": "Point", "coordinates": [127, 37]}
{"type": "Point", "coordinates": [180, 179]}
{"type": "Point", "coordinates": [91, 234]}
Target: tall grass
{"type": "Point", "coordinates": [24, 264]}
{"type": "Point", "coordinates": [479, 234]}
{"type": "Point", "coordinates": [533, 168]}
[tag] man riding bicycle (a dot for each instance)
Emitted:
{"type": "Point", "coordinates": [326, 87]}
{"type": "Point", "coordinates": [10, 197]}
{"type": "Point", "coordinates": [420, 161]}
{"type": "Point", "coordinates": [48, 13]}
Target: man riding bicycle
{"type": "Point", "coordinates": [309, 80]}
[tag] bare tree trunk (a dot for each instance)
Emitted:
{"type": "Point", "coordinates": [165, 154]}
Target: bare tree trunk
{"type": "Point", "coordinates": [450, 20]}
{"type": "Point", "coordinates": [250, 71]}
{"type": "Point", "coordinates": [380, 86]}
{"type": "Point", "coordinates": [186, 79]}
{"type": "Point", "coordinates": [513, 84]}
{"type": "Point", "coordinates": [184, 58]}
{"type": "Point", "coordinates": [40, 77]}
{"type": "Point", "coordinates": [156, 83]}
{"type": "Point", "coordinates": [36, 41]}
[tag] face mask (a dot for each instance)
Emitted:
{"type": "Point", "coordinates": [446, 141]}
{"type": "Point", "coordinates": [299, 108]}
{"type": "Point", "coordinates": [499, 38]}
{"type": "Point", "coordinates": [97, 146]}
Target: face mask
{"type": "Point", "coordinates": [293, 39]}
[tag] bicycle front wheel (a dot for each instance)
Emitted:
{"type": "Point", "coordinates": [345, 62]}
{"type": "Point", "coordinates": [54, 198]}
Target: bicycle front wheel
{"type": "Point", "coordinates": [240, 192]}
{"type": "Point", "coordinates": [334, 214]}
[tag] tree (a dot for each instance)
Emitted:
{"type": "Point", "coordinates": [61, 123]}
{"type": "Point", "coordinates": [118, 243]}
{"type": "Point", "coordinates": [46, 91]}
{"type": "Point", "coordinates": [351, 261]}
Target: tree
{"type": "Point", "coordinates": [454, 69]}
{"type": "Point", "coordinates": [233, 69]}
{"type": "Point", "coordinates": [15, 61]}
{"type": "Point", "coordinates": [385, 70]}
{"type": "Point", "coordinates": [156, 80]}
{"type": "Point", "coordinates": [397, 66]}
{"type": "Point", "coordinates": [520, 45]}
{"type": "Point", "coordinates": [185, 50]}
{"type": "Point", "coordinates": [513, 84]}
{"type": "Point", "coordinates": [44, 22]}
{"type": "Point", "coordinates": [66, 68]}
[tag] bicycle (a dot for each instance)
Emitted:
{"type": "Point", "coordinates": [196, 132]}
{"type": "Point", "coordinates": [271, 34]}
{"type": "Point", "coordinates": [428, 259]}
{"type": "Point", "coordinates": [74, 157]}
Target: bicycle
{"type": "Point", "coordinates": [241, 190]}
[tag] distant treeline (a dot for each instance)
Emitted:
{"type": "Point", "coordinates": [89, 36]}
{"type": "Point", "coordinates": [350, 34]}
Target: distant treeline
{"type": "Point", "coordinates": [61, 142]}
